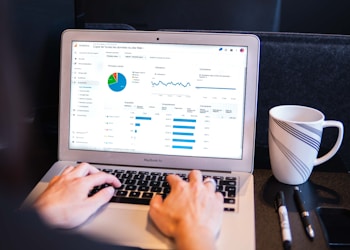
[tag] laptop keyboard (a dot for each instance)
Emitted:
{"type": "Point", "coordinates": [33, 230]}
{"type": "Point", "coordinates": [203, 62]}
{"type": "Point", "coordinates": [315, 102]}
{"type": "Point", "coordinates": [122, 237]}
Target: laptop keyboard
{"type": "Point", "coordinates": [138, 187]}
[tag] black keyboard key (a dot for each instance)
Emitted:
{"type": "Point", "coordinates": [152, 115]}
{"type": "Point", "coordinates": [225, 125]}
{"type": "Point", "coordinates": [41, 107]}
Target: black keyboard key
{"type": "Point", "coordinates": [156, 189]}
{"type": "Point", "coordinates": [131, 172]}
{"type": "Point", "coordinates": [155, 183]}
{"type": "Point", "coordinates": [166, 190]}
{"type": "Point", "coordinates": [218, 178]}
{"type": "Point", "coordinates": [130, 182]}
{"type": "Point", "coordinates": [231, 194]}
{"type": "Point", "coordinates": [140, 201]}
{"type": "Point", "coordinates": [229, 201]}
{"type": "Point", "coordinates": [228, 183]}
{"type": "Point", "coordinates": [121, 193]}
{"type": "Point", "coordinates": [147, 195]}
{"type": "Point", "coordinates": [134, 194]}
{"type": "Point", "coordinates": [151, 178]}
{"type": "Point", "coordinates": [161, 178]}
{"type": "Point", "coordinates": [144, 172]}
{"type": "Point", "coordinates": [131, 187]}
{"type": "Point", "coordinates": [230, 188]}
{"type": "Point", "coordinates": [127, 176]}
{"type": "Point", "coordinates": [143, 183]}
{"type": "Point", "coordinates": [119, 171]}
{"type": "Point", "coordinates": [165, 184]}
{"type": "Point", "coordinates": [143, 188]}
{"type": "Point", "coordinates": [156, 173]}
{"type": "Point", "coordinates": [229, 209]}
{"type": "Point", "coordinates": [139, 177]}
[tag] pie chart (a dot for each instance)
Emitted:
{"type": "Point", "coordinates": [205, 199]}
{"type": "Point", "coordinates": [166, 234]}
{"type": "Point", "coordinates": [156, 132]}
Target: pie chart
{"type": "Point", "coordinates": [116, 82]}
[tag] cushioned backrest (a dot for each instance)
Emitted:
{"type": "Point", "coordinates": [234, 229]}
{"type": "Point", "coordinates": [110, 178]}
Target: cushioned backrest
{"type": "Point", "coordinates": [306, 69]}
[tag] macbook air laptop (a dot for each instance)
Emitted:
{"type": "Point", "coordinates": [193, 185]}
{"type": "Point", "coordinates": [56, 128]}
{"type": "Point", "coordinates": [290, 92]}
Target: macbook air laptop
{"type": "Point", "coordinates": [143, 104]}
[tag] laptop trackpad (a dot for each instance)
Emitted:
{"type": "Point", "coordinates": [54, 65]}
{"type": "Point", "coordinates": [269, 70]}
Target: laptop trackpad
{"type": "Point", "coordinates": [126, 225]}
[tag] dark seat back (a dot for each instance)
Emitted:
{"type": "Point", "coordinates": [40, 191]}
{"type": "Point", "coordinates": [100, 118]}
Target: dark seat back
{"type": "Point", "coordinates": [306, 69]}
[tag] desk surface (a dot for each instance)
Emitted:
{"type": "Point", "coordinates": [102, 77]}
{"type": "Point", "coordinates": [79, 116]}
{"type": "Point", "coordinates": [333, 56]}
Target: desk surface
{"type": "Point", "coordinates": [323, 189]}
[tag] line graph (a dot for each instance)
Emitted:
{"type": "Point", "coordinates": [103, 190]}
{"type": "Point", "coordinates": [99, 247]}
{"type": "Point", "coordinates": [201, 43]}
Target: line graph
{"type": "Point", "coordinates": [171, 83]}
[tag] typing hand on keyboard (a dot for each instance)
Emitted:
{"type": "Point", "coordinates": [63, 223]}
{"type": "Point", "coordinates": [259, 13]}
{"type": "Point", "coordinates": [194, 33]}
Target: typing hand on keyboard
{"type": "Point", "coordinates": [138, 187]}
{"type": "Point", "coordinates": [191, 213]}
{"type": "Point", "coordinates": [65, 204]}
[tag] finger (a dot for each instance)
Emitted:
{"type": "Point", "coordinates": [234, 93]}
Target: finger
{"type": "Point", "coordinates": [155, 202]}
{"type": "Point", "coordinates": [220, 197]}
{"type": "Point", "coordinates": [210, 183]}
{"type": "Point", "coordinates": [84, 169]}
{"type": "Point", "coordinates": [195, 176]}
{"type": "Point", "coordinates": [173, 180]}
{"type": "Point", "coordinates": [156, 215]}
{"type": "Point", "coordinates": [67, 170]}
{"type": "Point", "coordinates": [100, 178]}
{"type": "Point", "coordinates": [154, 207]}
{"type": "Point", "coordinates": [53, 180]}
{"type": "Point", "coordinates": [100, 198]}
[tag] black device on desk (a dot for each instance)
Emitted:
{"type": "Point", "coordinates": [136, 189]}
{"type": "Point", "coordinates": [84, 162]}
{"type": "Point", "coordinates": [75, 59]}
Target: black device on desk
{"type": "Point", "coordinates": [336, 226]}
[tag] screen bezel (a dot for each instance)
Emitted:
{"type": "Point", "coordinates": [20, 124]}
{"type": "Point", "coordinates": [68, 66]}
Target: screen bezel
{"type": "Point", "coordinates": [151, 160]}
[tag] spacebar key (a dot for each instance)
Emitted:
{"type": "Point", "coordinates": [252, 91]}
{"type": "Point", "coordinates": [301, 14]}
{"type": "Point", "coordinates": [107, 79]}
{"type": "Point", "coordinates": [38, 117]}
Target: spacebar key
{"type": "Point", "coordinates": [139, 201]}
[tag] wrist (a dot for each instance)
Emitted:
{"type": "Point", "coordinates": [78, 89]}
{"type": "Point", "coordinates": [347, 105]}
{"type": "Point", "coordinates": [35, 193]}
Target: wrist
{"type": "Point", "coordinates": [192, 237]}
{"type": "Point", "coordinates": [48, 213]}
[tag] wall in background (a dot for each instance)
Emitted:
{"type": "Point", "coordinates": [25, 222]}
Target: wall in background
{"type": "Point", "coordinates": [315, 16]}
{"type": "Point", "coordinates": [37, 25]}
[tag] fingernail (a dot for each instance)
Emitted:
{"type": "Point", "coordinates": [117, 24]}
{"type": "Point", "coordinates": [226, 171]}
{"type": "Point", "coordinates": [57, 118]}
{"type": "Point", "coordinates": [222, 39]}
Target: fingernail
{"type": "Point", "coordinates": [111, 190]}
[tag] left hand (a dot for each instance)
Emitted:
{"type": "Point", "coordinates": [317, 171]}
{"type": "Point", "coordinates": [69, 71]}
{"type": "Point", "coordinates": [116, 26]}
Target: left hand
{"type": "Point", "coordinates": [66, 204]}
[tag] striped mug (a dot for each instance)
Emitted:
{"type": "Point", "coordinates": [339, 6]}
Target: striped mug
{"type": "Point", "coordinates": [295, 134]}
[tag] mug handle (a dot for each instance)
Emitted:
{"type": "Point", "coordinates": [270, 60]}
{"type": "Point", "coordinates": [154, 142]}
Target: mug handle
{"type": "Point", "coordinates": [337, 144]}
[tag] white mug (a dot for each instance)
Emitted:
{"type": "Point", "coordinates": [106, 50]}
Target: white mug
{"type": "Point", "coordinates": [295, 134]}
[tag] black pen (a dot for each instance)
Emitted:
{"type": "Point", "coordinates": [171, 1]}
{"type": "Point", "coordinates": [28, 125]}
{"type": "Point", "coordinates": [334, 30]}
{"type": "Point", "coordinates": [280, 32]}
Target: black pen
{"type": "Point", "coordinates": [304, 214]}
{"type": "Point", "coordinates": [280, 206]}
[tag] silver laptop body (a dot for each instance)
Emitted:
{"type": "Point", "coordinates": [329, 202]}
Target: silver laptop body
{"type": "Point", "coordinates": [159, 101]}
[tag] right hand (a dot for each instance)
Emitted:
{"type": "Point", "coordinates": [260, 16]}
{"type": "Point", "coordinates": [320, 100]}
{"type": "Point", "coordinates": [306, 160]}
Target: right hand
{"type": "Point", "coordinates": [191, 214]}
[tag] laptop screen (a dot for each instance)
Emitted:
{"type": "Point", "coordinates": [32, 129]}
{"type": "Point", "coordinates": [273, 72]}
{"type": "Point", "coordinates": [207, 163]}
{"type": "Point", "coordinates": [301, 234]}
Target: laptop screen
{"type": "Point", "coordinates": [164, 99]}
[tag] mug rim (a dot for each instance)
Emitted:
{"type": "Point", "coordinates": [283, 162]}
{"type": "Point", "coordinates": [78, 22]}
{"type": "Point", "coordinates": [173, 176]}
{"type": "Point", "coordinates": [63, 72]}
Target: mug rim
{"type": "Point", "coordinates": [275, 109]}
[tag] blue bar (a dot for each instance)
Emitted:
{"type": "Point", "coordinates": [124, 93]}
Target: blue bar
{"type": "Point", "coordinates": [179, 126]}
{"type": "Point", "coordinates": [183, 140]}
{"type": "Point", "coordinates": [137, 124]}
{"type": "Point", "coordinates": [183, 120]}
{"type": "Point", "coordinates": [182, 147]}
{"type": "Point", "coordinates": [182, 133]}
{"type": "Point", "coordinates": [143, 118]}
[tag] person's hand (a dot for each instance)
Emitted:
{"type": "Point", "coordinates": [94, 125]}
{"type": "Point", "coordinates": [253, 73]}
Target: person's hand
{"type": "Point", "coordinates": [66, 204]}
{"type": "Point", "coordinates": [191, 213]}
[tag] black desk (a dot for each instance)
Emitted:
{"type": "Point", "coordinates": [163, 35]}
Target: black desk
{"type": "Point", "coordinates": [323, 189]}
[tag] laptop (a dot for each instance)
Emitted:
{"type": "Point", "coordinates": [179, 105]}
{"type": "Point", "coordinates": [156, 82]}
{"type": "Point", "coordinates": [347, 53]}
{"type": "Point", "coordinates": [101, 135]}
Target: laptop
{"type": "Point", "coordinates": [135, 103]}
